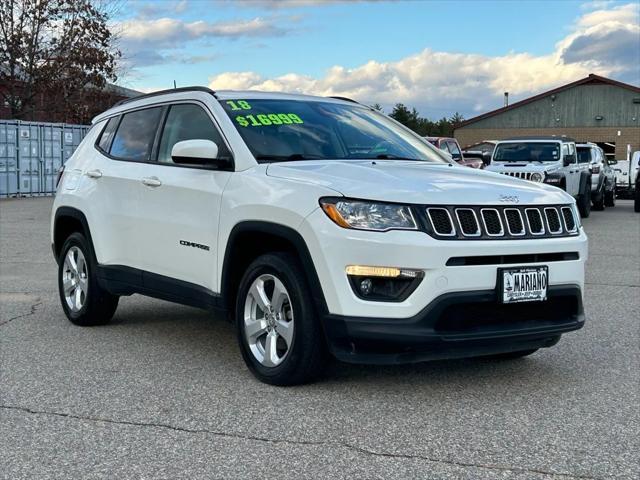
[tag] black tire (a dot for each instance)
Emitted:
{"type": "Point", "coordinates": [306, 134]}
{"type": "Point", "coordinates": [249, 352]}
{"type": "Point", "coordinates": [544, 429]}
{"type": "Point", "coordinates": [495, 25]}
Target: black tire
{"type": "Point", "coordinates": [610, 197]}
{"type": "Point", "coordinates": [584, 200]}
{"type": "Point", "coordinates": [511, 355]}
{"type": "Point", "coordinates": [99, 305]}
{"type": "Point", "coordinates": [306, 356]}
{"type": "Point", "coordinates": [598, 201]}
{"type": "Point", "coordinates": [636, 201]}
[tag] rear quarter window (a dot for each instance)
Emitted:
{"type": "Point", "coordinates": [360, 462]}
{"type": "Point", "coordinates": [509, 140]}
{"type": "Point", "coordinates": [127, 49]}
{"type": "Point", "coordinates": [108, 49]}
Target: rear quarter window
{"type": "Point", "coordinates": [107, 134]}
{"type": "Point", "coordinates": [136, 134]}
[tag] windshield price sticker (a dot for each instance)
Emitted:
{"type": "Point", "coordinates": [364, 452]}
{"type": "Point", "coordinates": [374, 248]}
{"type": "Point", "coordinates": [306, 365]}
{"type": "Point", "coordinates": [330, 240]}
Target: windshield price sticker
{"type": "Point", "coordinates": [262, 120]}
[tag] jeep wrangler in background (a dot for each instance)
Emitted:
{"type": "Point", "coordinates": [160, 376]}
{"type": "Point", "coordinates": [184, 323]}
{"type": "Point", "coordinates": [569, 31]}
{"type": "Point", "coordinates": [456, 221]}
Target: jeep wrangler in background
{"type": "Point", "coordinates": [320, 225]}
{"type": "Point", "coordinates": [550, 160]}
{"type": "Point", "coordinates": [603, 178]}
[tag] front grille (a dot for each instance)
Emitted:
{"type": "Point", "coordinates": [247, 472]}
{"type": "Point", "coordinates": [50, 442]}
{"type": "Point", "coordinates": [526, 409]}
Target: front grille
{"type": "Point", "coordinates": [468, 222]}
{"type": "Point", "coordinates": [492, 222]}
{"type": "Point", "coordinates": [553, 220]}
{"type": "Point", "coordinates": [534, 219]}
{"type": "Point", "coordinates": [514, 221]}
{"type": "Point", "coordinates": [441, 221]}
{"type": "Point", "coordinates": [523, 175]}
{"type": "Point", "coordinates": [569, 221]}
{"type": "Point", "coordinates": [499, 222]}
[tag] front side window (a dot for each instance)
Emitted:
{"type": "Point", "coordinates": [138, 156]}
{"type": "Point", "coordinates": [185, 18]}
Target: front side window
{"type": "Point", "coordinates": [527, 152]}
{"type": "Point", "coordinates": [455, 151]}
{"type": "Point", "coordinates": [280, 130]}
{"type": "Point", "coordinates": [188, 122]}
{"type": "Point", "coordinates": [135, 136]}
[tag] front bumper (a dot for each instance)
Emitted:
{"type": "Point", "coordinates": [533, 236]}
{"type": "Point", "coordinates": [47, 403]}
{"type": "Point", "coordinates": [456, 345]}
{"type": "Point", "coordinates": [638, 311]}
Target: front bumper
{"type": "Point", "coordinates": [457, 325]}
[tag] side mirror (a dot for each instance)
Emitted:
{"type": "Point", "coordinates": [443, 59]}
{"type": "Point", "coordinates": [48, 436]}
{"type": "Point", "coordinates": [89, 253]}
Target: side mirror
{"type": "Point", "coordinates": [197, 152]}
{"type": "Point", "coordinates": [486, 158]}
{"type": "Point", "coordinates": [569, 160]}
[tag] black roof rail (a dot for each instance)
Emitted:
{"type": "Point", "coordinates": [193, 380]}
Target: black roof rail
{"type": "Point", "coordinates": [346, 99]}
{"type": "Point", "coordinates": [165, 92]}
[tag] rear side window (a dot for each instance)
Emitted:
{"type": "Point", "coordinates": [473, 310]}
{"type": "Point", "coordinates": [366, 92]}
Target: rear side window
{"type": "Point", "coordinates": [188, 122]}
{"type": "Point", "coordinates": [135, 136]}
{"type": "Point", "coordinates": [107, 134]}
{"type": "Point", "coordinates": [584, 154]}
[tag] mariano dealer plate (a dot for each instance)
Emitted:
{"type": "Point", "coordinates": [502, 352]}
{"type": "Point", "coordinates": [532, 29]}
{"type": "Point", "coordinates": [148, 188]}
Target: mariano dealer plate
{"type": "Point", "coordinates": [523, 284]}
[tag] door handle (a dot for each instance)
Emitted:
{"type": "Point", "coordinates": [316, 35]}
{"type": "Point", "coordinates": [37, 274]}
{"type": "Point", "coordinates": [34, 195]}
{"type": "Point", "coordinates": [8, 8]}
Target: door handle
{"type": "Point", "coordinates": [94, 174]}
{"type": "Point", "coordinates": [152, 181]}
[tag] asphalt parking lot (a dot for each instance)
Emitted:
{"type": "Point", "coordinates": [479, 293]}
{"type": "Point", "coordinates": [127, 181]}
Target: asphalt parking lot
{"type": "Point", "coordinates": [162, 391]}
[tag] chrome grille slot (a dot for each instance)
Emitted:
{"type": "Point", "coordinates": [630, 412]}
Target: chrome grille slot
{"type": "Point", "coordinates": [441, 222]}
{"type": "Point", "coordinates": [492, 222]}
{"type": "Point", "coordinates": [569, 220]}
{"type": "Point", "coordinates": [553, 220]}
{"type": "Point", "coordinates": [534, 221]}
{"type": "Point", "coordinates": [515, 224]}
{"type": "Point", "coordinates": [468, 222]}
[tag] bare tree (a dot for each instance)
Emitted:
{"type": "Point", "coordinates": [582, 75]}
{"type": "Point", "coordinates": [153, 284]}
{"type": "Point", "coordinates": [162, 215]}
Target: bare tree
{"type": "Point", "coordinates": [53, 49]}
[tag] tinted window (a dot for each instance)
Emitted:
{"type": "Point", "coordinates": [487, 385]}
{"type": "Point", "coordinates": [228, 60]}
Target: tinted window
{"type": "Point", "coordinates": [107, 134]}
{"type": "Point", "coordinates": [281, 130]}
{"type": "Point", "coordinates": [584, 154]}
{"type": "Point", "coordinates": [188, 122]}
{"type": "Point", "coordinates": [527, 152]}
{"type": "Point", "coordinates": [137, 130]}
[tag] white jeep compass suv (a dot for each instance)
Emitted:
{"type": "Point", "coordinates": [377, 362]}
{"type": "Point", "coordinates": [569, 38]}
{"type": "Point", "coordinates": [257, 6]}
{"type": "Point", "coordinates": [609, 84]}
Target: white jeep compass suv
{"type": "Point", "coordinates": [552, 160]}
{"type": "Point", "coordinates": [321, 226]}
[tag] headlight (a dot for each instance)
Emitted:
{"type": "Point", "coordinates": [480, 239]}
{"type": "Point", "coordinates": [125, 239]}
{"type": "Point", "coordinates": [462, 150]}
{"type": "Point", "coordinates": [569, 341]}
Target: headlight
{"type": "Point", "coordinates": [363, 215]}
{"type": "Point", "coordinates": [537, 177]}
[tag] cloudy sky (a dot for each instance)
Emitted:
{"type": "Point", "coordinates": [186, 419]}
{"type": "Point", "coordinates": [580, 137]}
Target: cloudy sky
{"type": "Point", "coordinates": [439, 56]}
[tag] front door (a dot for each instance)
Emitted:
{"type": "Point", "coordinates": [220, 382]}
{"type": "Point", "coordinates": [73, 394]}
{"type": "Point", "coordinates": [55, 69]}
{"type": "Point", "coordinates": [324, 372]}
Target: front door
{"type": "Point", "coordinates": [180, 205]}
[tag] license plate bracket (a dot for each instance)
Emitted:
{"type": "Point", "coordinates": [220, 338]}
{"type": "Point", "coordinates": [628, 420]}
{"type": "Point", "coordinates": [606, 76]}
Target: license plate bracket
{"type": "Point", "coordinates": [522, 284]}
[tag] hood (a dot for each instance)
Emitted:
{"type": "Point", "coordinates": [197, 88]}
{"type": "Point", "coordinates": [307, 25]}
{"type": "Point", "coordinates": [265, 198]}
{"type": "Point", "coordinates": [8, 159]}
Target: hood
{"type": "Point", "coordinates": [416, 182]}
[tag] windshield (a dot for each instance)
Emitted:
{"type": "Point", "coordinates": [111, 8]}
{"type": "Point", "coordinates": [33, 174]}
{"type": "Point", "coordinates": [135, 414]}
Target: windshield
{"type": "Point", "coordinates": [281, 130]}
{"type": "Point", "coordinates": [527, 152]}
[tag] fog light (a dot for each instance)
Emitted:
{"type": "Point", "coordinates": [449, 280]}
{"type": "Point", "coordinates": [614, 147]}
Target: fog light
{"type": "Point", "coordinates": [383, 284]}
{"type": "Point", "coordinates": [366, 286]}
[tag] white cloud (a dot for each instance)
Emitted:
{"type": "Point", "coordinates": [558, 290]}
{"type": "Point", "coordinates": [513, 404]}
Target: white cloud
{"type": "Point", "coordinates": [441, 82]}
{"type": "Point", "coordinates": [173, 33]}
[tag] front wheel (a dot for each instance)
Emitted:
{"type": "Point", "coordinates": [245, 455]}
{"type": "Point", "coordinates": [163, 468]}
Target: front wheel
{"type": "Point", "coordinates": [278, 329]}
{"type": "Point", "coordinates": [84, 302]}
{"type": "Point", "coordinates": [511, 355]}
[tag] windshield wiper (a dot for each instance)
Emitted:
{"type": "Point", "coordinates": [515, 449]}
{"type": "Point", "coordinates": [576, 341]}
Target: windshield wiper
{"type": "Point", "coordinates": [391, 156]}
{"type": "Point", "coordinates": [288, 158]}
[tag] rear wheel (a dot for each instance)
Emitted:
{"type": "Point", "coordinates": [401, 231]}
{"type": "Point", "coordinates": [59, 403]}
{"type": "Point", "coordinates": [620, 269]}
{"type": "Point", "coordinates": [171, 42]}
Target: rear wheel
{"type": "Point", "coordinates": [84, 302]}
{"type": "Point", "coordinates": [610, 197]}
{"type": "Point", "coordinates": [598, 201]}
{"type": "Point", "coordinates": [584, 201]}
{"type": "Point", "coordinates": [279, 332]}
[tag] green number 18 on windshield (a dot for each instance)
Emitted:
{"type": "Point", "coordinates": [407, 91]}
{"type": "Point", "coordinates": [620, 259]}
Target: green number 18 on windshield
{"type": "Point", "coordinates": [238, 105]}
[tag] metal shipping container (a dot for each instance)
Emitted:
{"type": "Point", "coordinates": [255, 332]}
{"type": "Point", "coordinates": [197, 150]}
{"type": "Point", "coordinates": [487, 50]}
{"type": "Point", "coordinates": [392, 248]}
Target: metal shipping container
{"type": "Point", "coordinates": [31, 154]}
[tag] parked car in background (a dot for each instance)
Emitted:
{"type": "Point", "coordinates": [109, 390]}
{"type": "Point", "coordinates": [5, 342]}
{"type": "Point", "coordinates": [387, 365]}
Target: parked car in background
{"type": "Point", "coordinates": [636, 201]}
{"type": "Point", "coordinates": [452, 147]}
{"type": "Point", "coordinates": [603, 178]}
{"type": "Point", "coordinates": [479, 149]}
{"type": "Point", "coordinates": [626, 175]}
{"type": "Point", "coordinates": [552, 160]}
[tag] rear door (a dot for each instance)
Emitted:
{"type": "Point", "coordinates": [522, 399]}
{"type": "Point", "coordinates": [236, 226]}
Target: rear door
{"type": "Point", "coordinates": [113, 185]}
{"type": "Point", "coordinates": [180, 205]}
{"type": "Point", "coordinates": [572, 171]}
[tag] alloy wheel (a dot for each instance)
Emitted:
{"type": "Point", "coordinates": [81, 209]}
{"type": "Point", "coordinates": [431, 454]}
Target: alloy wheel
{"type": "Point", "coordinates": [75, 279]}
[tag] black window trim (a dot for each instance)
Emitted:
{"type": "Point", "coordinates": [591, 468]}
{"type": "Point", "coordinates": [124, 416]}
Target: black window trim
{"type": "Point", "coordinates": [153, 158]}
{"type": "Point", "coordinates": [97, 144]}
